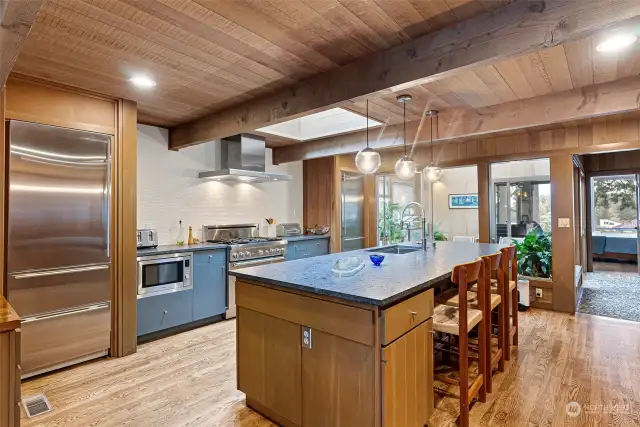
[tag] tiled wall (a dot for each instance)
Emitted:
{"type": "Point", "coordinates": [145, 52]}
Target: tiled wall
{"type": "Point", "coordinates": [169, 190]}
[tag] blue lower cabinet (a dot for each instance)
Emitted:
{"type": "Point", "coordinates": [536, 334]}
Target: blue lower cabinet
{"type": "Point", "coordinates": [164, 311]}
{"type": "Point", "coordinates": [307, 248]}
{"type": "Point", "coordinates": [209, 284]}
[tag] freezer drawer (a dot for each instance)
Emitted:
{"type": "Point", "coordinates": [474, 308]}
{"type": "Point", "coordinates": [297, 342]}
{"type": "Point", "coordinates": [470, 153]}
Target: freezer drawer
{"type": "Point", "coordinates": [60, 339]}
{"type": "Point", "coordinates": [38, 292]}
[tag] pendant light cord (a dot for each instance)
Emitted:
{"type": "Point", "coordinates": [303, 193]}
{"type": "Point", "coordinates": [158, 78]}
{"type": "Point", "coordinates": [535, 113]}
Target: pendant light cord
{"type": "Point", "coordinates": [431, 141]}
{"type": "Point", "coordinates": [404, 125]}
{"type": "Point", "coordinates": [367, 123]}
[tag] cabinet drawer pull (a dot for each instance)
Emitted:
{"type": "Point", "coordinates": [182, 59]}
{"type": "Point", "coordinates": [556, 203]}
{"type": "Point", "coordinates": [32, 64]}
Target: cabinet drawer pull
{"type": "Point", "coordinates": [413, 313]}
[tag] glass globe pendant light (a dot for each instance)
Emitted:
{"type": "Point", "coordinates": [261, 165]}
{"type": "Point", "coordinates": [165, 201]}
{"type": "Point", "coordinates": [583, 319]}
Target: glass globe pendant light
{"type": "Point", "coordinates": [368, 160]}
{"type": "Point", "coordinates": [405, 166]}
{"type": "Point", "coordinates": [433, 172]}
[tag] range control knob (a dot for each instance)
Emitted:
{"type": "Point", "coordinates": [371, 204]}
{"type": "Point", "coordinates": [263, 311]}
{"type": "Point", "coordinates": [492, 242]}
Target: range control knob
{"type": "Point", "coordinates": [234, 255]}
{"type": "Point", "coordinates": [241, 254]}
{"type": "Point", "coordinates": [247, 253]}
{"type": "Point", "coordinates": [260, 252]}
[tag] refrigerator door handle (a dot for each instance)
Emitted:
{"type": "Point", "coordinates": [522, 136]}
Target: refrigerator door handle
{"type": "Point", "coordinates": [66, 312]}
{"type": "Point", "coordinates": [60, 271]}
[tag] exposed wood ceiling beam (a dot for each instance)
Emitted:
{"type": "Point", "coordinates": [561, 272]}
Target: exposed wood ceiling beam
{"type": "Point", "coordinates": [521, 27]}
{"type": "Point", "coordinates": [592, 101]}
{"type": "Point", "coordinates": [16, 19]}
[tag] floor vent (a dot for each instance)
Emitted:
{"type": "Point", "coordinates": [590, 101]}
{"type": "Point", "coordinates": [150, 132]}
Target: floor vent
{"type": "Point", "coordinates": [36, 404]}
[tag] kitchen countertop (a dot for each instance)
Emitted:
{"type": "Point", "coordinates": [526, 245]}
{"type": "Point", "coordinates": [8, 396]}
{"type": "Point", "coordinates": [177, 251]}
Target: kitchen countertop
{"type": "Point", "coordinates": [399, 276]}
{"type": "Point", "coordinates": [9, 319]}
{"type": "Point", "coordinates": [305, 237]}
{"type": "Point", "coordinates": [166, 249]}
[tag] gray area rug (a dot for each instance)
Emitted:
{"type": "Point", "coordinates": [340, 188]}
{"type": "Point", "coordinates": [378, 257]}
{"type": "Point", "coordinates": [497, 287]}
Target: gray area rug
{"type": "Point", "coordinates": [614, 295]}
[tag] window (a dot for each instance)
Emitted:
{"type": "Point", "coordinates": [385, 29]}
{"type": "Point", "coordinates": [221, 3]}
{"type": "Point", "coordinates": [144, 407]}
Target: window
{"type": "Point", "coordinates": [522, 198]}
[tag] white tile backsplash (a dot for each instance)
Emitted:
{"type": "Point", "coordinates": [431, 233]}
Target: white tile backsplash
{"type": "Point", "coordinates": [169, 190]}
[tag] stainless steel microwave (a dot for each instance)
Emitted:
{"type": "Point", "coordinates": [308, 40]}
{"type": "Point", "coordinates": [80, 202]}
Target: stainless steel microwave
{"type": "Point", "coordinates": [161, 274]}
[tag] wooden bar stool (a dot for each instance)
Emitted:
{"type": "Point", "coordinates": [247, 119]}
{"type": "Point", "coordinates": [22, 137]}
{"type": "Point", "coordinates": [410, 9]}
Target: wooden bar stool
{"type": "Point", "coordinates": [509, 267]}
{"type": "Point", "coordinates": [495, 359]}
{"type": "Point", "coordinates": [493, 302]}
{"type": "Point", "coordinates": [457, 322]}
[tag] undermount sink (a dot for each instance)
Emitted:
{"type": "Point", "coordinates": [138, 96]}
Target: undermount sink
{"type": "Point", "coordinates": [398, 250]}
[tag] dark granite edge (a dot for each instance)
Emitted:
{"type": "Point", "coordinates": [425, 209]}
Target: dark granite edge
{"type": "Point", "coordinates": [165, 249]}
{"type": "Point", "coordinates": [344, 296]}
{"type": "Point", "coordinates": [305, 237]}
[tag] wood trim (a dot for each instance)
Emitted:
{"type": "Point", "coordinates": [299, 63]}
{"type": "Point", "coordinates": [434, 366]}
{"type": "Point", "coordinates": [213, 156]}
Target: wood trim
{"type": "Point", "coordinates": [16, 19]}
{"type": "Point", "coordinates": [514, 29]}
{"type": "Point", "coordinates": [124, 301]}
{"type": "Point", "coordinates": [10, 374]}
{"type": "Point", "coordinates": [563, 238]}
{"type": "Point", "coordinates": [484, 201]}
{"type": "Point", "coordinates": [4, 148]}
{"type": "Point", "coordinates": [610, 98]}
{"type": "Point", "coordinates": [342, 320]}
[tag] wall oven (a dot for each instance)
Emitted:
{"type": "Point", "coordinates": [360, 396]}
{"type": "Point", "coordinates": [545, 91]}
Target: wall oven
{"type": "Point", "coordinates": [161, 274]}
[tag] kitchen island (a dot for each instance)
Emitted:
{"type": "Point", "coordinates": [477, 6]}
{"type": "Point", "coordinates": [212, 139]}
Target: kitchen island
{"type": "Point", "coordinates": [319, 350]}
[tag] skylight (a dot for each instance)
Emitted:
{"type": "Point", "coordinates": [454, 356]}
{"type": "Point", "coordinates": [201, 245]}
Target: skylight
{"type": "Point", "coordinates": [319, 125]}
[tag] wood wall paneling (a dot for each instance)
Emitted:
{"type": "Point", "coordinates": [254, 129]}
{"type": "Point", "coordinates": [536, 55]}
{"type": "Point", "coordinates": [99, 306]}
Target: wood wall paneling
{"type": "Point", "coordinates": [317, 194]}
{"type": "Point", "coordinates": [397, 68]}
{"type": "Point", "coordinates": [123, 253]}
{"type": "Point", "coordinates": [562, 207]}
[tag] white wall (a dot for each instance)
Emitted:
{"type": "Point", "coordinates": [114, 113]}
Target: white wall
{"type": "Point", "coordinates": [169, 190]}
{"type": "Point", "coordinates": [455, 222]}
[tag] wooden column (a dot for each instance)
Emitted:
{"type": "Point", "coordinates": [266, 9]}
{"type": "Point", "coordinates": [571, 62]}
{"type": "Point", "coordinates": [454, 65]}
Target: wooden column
{"type": "Point", "coordinates": [562, 207]}
{"type": "Point", "coordinates": [3, 195]}
{"type": "Point", "coordinates": [484, 204]}
{"type": "Point", "coordinates": [124, 183]}
{"type": "Point", "coordinates": [317, 196]}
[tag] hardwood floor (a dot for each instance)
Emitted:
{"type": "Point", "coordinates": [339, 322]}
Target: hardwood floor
{"type": "Point", "coordinates": [189, 380]}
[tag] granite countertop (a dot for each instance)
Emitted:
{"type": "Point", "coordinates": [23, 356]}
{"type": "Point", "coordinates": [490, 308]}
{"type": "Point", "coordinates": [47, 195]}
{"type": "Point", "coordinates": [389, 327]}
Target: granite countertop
{"type": "Point", "coordinates": [399, 276]}
{"type": "Point", "coordinates": [9, 319]}
{"type": "Point", "coordinates": [165, 249]}
{"type": "Point", "coordinates": [305, 237]}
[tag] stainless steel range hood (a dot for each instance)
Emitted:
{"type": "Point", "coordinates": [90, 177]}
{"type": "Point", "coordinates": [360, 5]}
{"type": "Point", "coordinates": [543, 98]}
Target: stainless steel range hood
{"type": "Point", "coordinates": [242, 159]}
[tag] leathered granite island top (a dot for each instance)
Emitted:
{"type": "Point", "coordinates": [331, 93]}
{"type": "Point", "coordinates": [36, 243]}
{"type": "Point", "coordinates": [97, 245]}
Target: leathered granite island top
{"type": "Point", "coordinates": [398, 277]}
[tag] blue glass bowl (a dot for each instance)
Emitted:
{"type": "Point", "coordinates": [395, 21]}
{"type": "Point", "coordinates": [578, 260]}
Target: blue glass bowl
{"type": "Point", "coordinates": [376, 259]}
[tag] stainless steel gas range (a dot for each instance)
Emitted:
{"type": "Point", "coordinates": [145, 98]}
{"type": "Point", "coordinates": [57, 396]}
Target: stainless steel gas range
{"type": "Point", "coordinates": [245, 249]}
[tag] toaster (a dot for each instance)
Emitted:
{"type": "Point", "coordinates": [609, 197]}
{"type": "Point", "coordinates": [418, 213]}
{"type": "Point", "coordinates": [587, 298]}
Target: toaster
{"type": "Point", "coordinates": [288, 229]}
{"type": "Point", "coordinates": [147, 238]}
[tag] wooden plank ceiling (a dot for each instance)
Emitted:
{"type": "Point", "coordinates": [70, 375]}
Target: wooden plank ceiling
{"type": "Point", "coordinates": [570, 66]}
{"type": "Point", "coordinates": [210, 54]}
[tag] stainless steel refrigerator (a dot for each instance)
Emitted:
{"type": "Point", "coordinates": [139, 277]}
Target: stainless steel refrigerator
{"type": "Point", "coordinates": [58, 243]}
{"type": "Point", "coordinates": [352, 193]}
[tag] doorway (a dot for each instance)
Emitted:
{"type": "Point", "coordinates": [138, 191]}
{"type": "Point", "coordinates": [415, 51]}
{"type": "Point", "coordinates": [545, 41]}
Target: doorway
{"type": "Point", "coordinates": [612, 289]}
{"type": "Point", "coordinates": [614, 223]}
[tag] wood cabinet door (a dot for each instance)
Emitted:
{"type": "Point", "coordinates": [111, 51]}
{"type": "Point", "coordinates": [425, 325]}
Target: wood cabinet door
{"type": "Point", "coordinates": [338, 386]}
{"type": "Point", "coordinates": [407, 378]}
{"type": "Point", "coordinates": [269, 362]}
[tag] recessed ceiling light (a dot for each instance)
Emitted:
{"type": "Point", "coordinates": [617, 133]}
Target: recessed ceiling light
{"type": "Point", "coordinates": [617, 41]}
{"type": "Point", "coordinates": [142, 81]}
